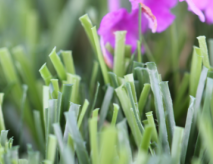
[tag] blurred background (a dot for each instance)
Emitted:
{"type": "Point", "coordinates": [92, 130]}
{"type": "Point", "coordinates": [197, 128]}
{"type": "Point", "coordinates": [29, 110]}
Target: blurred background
{"type": "Point", "coordinates": [40, 25]}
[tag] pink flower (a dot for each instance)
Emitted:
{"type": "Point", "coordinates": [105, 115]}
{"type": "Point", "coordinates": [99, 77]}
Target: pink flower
{"type": "Point", "coordinates": [156, 16]}
{"type": "Point", "coordinates": [202, 8]}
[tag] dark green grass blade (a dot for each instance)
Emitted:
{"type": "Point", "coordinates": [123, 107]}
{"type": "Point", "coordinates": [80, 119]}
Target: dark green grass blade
{"type": "Point", "coordinates": [105, 105]}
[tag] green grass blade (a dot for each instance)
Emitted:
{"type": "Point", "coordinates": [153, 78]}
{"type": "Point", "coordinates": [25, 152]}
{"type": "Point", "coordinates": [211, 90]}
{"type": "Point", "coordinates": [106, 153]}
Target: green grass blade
{"type": "Point", "coordinates": [68, 61]}
{"type": "Point", "coordinates": [45, 101]}
{"type": "Point", "coordinates": [93, 77]}
{"type": "Point", "coordinates": [39, 130]}
{"type": "Point", "coordinates": [177, 144]}
{"type": "Point", "coordinates": [56, 61]}
{"type": "Point", "coordinates": [205, 127]}
{"type": "Point", "coordinates": [210, 41]}
{"type": "Point", "coordinates": [115, 114]}
{"type": "Point", "coordinates": [196, 68]}
{"type": "Point", "coordinates": [129, 78]}
{"type": "Point", "coordinates": [100, 56]}
{"type": "Point", "coordinates": [124, 142]}
{"type": "Point", "coordinates": [114, 79]}
{"type": "Point", "coordinates": [28, 76]}
{"type": "Point", "coordinates": [75, 81]}
{"type": "Point", "coordinates": [87, 24]}
{"type": "Point", "coordinates": [139, 52]}
{"type": "Point", "coordinates": [77, 138]}
{"type": "Point", "coordinates": [95, 113]}
{"type": "Point", "coordinates": [65, 102]}
{"type": "Point", "coordinates": [204, 50]}
{"type": "Point", "coordinates": [187, 129]}
{"type": "Point", "coordinates": [150, 120]}
{"type": "Point", "coordinates": [143, 98]}
{"type": "Point", "coordinates": [134, 107]}
{"type": "Point", "coordinates": [126, 106]}
{"type": "Point", "coordinates": [145, 143]}
{"type": "Point", "coordinates": [200, 89]}
{"type": "Point", "coordinates": [2, 125]}
{"type": "Point", "coordinates": [45, 74]}
{"type": "Point", "coordinates": [159, 109]}
{"type": "Point", "coordinates": [183, 88]}
{"type": "Point", "coordinates": [83, 112]}
{"type": "Point", "coordinates": [23, 101]}
{"type": "Point", "coordinates": [170, 120]}
{"type": "Point", "coordinates": [55, 90]}
{"type": "Point", "coordinates": [93, 139]}
{"type": "Point", "coordinates": [108, 142]}
{"type": "Point", "coordinates": [105, 105]}
{"type": "Point", "coordinates": [119, 67]}
{"type": "Point", "coordinates": [94, 101]}
{"type": "Point", "coordinates": [51, 150]}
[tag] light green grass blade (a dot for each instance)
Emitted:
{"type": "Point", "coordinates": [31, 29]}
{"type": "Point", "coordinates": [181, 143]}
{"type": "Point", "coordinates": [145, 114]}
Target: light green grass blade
{"type": "Point", "coordinates": [108, 142]}
{"type": "Point", "coordinates": [93, 139]}
{"type": "Point", "coordinates": [177, 144]}
{"type": "Point", "coordinates": [119, 67]}
{"type": "Point", "coordinates": [204, 51]}
{"type": "Point", "coordinates": [134, 107]}
{"type": "Point", "coordinates": [196, 68]}
{"type": "Point", "coordinates": [55, 88]}
{"type": "Point", "coordinates": [129, 78]}
{"type": "Point", "coordinates": [143, 99]}
{"type": "Point", "coordinates": [139, 51]}
{"type": "Point", "coordinates": [115, 114]}
{"type": "Point", "coordinates": [145, 143]}
{"type": "Point", "coordinates": [124, 142]}
{"type": "Point", "coordinates": [75, 81]}
{"type": "Point", "coordinates": [83, 112]}
{"type": "Point", "coordinates": [51, 150]}
{"type": "Point", "coordinates": [59, 67]}
{"type": "Point", "coordinates": [150, 122]}
{"type": "Point", "coordinates": [68, 61]}
{"type": "Point", "coordinates": [127, 107]}
{"type": "Point", "coordinates": [100, 56]}
{"type": "Point", "coordinates": [11, 77]}
{"type": "Point", "coordinates": [87, 24]}
{"type": "Point", "coordinates": [45, 74]}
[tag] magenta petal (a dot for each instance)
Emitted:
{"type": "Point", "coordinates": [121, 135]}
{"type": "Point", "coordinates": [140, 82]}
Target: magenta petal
{"type": "Point", "coordinates": [164, 18]}
{"type": "Point", "coordinates": [113, 5]}
{"type": "Point", "coordinates": [201, 4]}
{"type": "Point", "coordinates": [195, 9]}
{"type": "Point", "coordinates": [121, 20]}
{"type": "Point", "coordinates": [209, 12]}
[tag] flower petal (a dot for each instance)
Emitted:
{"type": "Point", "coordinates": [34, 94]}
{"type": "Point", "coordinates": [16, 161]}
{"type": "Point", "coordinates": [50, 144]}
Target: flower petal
{"type": "Point", "coordinates": [195, 9]}
{"type": "Point", "coordinates": [113, 5]}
